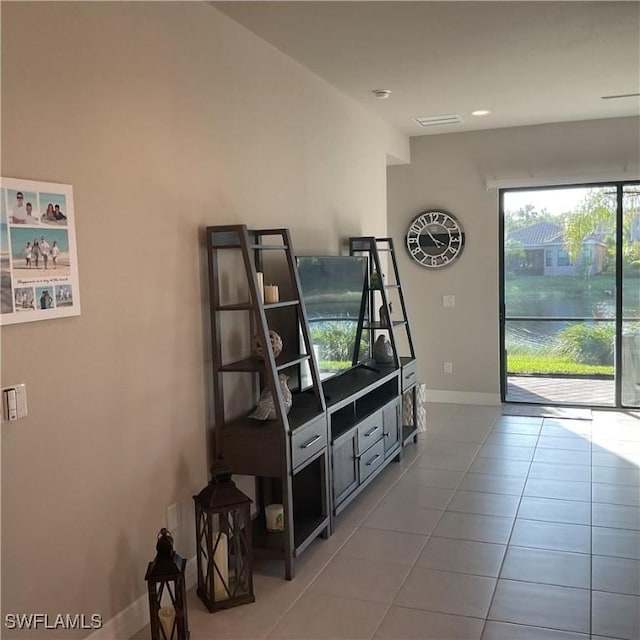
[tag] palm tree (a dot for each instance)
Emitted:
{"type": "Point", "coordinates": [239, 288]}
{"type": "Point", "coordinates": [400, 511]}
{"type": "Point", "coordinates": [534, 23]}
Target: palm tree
{"type": "Point", "coordinates": [596, 214]}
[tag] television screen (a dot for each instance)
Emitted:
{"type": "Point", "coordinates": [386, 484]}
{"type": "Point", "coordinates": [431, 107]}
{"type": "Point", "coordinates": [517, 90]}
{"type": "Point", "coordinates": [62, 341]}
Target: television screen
{"type": "Point", "coordinates": [333, 289]}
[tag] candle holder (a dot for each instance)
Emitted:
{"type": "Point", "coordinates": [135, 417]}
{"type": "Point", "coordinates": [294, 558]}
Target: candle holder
{"type": "Point", "coordinates": [223, 542]}
{"type": "Point", "coordinates": [167, 592]}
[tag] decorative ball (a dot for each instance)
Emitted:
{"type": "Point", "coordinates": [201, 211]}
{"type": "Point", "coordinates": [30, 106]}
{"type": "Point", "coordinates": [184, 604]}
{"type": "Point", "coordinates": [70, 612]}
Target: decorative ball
{"type": "Point", "coordinates": [276, 345]}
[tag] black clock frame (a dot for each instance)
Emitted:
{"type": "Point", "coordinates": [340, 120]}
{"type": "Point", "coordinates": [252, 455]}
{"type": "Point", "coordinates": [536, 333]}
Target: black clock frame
{"type": "Point", "coordinates": [435, 239]}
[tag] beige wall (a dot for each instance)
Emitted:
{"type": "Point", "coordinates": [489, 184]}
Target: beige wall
{"type": "Point", "coordinates": [450, 171]}
{"type": "Point", "coordinates": [165, 118]}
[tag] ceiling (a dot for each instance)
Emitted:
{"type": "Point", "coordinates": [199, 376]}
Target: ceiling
{"type": "Point", "coordinates": [526, 62]}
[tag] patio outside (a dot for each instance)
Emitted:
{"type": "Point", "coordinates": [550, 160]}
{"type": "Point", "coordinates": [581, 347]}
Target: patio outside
{"type": "Point", "coordinates": [562, 309]}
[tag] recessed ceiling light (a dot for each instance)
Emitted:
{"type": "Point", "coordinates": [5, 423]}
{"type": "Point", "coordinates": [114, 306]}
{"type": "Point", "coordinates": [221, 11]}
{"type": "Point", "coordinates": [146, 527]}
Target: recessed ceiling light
{"type": "Point", "coordinates": [381, 94]}
{"type": "Point", "coordinates": [481, 112]}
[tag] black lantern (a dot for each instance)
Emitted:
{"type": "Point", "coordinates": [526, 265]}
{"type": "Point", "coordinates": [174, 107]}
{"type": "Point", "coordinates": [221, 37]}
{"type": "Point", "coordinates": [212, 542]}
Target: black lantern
{"type": "Point", "coordinates": [223, 542]}
{"type": "Point", "coordinates": [165, 579]}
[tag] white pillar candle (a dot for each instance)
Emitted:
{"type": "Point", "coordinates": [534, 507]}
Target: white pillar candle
{"type": "Point", "coordinates": [167, 615]}
{"type": "Point", "coordinates": [260, 284]}
{"type": "Point", "coordinates": [271, 293]}
{"type": "Point", "coordinates": [221, 560]}
{"type": "Point", "coordinates": [275, 517]}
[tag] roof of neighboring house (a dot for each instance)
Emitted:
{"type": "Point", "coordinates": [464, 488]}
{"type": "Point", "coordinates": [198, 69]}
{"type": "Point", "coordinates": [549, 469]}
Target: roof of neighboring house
{"type": "Point", "coordinates": [547, 233]}
{"type": "Point", "coordinates": [537, 234]}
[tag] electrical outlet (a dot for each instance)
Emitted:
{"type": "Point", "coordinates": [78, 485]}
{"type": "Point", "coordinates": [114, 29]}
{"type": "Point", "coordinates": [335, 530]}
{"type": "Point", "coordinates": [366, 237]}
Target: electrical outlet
{"type": "Point", "coordinates": [448, 367]}
{"type": "Point", "coordinates": [448, 301]}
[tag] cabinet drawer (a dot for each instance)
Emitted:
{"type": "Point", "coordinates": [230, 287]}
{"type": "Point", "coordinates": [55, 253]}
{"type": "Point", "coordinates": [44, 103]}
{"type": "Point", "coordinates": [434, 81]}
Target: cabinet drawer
{"type": "Point", "coordinates": [409, 375]}
{"type": "Point", "coordinates": [371, 460]}
{"type": "Point", "coordinates": [307, 441]}
{"type": "Point", "coordinates": [256, 457]}
{"type": "Point", "coordinates": [369, 431]}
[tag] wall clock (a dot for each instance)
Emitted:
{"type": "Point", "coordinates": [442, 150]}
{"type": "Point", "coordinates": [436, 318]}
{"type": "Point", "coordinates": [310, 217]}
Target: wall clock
{"type": "Point", "coordinates": [435, 239]}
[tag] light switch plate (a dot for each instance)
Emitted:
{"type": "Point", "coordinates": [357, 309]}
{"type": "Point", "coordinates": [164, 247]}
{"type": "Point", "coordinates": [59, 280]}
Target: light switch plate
{"type": "Point", "coordinates": [448, 301]}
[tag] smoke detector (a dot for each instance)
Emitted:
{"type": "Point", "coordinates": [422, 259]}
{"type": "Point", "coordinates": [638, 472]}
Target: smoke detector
{"type": "Point", "coordinates": [381, 94]}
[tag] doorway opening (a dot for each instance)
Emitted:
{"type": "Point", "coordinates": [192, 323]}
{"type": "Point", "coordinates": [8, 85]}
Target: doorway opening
{"type": "Point", "coordinates": [570, 295]}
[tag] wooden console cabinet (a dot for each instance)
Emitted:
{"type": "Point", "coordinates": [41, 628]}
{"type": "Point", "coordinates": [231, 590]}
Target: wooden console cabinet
{"type": "Point", "coordinates": [315, 457]}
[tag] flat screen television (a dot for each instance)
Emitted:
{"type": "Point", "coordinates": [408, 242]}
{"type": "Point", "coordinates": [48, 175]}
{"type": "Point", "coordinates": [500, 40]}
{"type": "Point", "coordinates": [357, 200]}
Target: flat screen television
{"type": "Point", "coordinates": [333, 290]}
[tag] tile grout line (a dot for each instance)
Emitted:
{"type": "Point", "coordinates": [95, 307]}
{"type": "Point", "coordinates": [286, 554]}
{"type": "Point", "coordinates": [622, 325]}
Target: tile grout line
{"type": "Point", "coordinates": [506, 551]}
{"type": "Point", "coordinates": [359, 523]}
{"type": "Point", "coordinates": [337, 551]}
{"type": "Point", "coordinates": [428, 537]}
{"type": "Point", "coordinates": [591, 534]}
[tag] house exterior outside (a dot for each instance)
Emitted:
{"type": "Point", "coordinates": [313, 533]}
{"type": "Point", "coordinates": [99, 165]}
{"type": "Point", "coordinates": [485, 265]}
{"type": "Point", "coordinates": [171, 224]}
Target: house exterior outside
{"type": "Point", "coordinates": [539, 250]}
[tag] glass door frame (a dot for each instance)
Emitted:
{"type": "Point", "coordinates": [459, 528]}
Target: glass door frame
{"type": "Point", "coordinates": [618, 319]}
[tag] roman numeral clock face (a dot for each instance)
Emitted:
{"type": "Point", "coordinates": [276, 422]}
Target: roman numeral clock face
{"type": "Point", "coordinates": [435, 239]}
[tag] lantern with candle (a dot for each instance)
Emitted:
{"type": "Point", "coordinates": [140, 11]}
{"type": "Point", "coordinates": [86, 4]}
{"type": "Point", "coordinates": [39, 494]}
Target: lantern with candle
{"type": "Point", "coordinates": [167, 592]}
{"type": "Point", "coordinates": [223, 542]}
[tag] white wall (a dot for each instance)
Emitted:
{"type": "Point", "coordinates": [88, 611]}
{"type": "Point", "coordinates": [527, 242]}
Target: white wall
{"type": "Point", "coordinates": [450, 171]}
{"type": "Point", "coordinates": [165, 117]}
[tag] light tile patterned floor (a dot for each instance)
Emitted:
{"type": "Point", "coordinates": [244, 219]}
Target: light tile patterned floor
{"type": "Point", "coordinates": [493, 527]}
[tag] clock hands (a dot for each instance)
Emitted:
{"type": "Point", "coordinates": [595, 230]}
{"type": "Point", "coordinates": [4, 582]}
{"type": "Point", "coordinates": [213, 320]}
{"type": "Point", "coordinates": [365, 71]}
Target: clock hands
{"type": "Point", "coordinates": [438, 243]}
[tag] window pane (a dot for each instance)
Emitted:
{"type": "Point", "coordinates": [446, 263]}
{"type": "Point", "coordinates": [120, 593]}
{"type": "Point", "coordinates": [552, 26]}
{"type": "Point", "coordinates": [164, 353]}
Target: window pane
{"type": "Point", "coordinates": [560, 288]}
{"type": "Point", "coordinates": [630, 373]}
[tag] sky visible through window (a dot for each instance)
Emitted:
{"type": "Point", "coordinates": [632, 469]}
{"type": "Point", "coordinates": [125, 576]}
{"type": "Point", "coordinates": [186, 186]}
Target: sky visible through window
{"type": "Point", "coordinates": [555, 201]}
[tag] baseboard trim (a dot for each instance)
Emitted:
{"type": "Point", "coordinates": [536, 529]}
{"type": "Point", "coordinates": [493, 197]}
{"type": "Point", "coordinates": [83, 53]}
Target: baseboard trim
{"type": "Point", "coordinates": [463, 397]}
{"type": "Point", "coordinates": [129, 621]}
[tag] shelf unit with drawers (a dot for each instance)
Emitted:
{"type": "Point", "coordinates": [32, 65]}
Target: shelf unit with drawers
{"type": "Point", "coordinates": [287, 455]}
{"type": "Point", "coordinates": [316, 456]}
{"type": "Point", "coordinates": [394, 323]}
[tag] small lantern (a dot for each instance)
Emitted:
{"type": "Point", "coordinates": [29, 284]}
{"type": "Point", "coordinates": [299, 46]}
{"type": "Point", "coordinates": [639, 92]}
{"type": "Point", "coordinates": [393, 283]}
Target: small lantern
{"type": "Point", "coordinates": [165, 579]}
{"type": "Point", "coordinates": [223, 542]}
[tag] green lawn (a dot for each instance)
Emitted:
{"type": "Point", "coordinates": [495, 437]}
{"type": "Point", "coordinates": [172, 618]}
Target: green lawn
{"type": "Point", "coordinates": [549, 364]}
{"type": "Point", "coordinates": [538, 347]}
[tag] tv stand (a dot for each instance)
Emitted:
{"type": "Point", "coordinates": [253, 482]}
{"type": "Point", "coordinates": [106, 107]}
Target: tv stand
{"type": "Point", "coordinates": [365, 404]}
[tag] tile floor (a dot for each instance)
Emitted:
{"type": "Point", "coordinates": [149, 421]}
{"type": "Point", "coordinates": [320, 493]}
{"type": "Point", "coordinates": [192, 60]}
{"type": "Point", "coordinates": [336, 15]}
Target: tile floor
{"type": "Point", "coordinates": [492, 527]}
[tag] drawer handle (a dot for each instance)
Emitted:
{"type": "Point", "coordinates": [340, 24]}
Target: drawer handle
{"type": "Point", "coordinates": [373, 459]}
{"type": "Point", "coordinates": [306, 445]}
{"type": "Point", "coordinates": [370, 433]}
{"type": "Point", "coordinates": [411, 374]}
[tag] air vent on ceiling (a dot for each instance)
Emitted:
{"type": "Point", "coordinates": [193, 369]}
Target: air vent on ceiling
{"type": "Point", "coordinates": [437, 121]}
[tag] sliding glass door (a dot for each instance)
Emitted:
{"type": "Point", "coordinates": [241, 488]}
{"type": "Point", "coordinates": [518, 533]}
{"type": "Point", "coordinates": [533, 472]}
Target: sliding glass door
{"type": "Point", "coordinates": [570, 311]}
{"type": "Point", "coordinates": [630, 303]}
